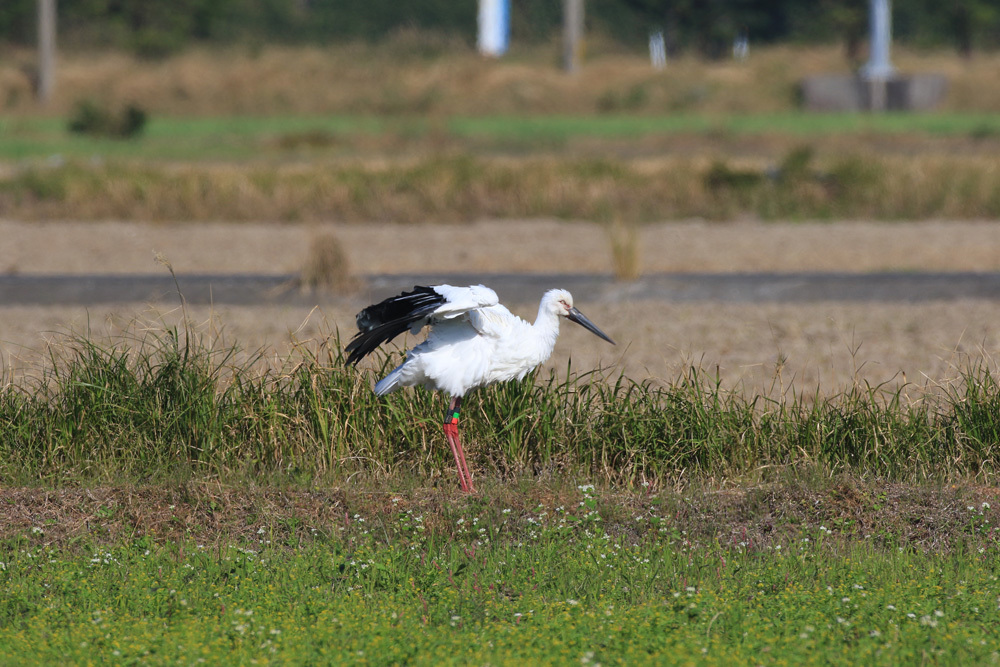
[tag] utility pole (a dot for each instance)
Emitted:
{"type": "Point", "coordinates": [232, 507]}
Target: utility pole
{"type": "Point", "coordinates": [46, 50]}
{"type": "Point", "coordinates": [572, 34]}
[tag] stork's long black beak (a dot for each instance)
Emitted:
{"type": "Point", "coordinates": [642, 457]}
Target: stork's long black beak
{"type": "Point", "coordinates": [581, 319]}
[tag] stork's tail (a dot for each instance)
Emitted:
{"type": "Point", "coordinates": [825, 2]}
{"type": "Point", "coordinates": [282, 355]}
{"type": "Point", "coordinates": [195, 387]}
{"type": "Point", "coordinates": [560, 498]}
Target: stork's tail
{"type": "Point", "coordinates": [389, 383]}
{"type": "Point", "coordinates": [383, 321]}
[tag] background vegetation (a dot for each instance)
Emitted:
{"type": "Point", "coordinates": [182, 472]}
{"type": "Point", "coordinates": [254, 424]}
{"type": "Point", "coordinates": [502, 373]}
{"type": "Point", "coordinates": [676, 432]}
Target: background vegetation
{"type": "Point", "coordinates": [707, 28]}
{"type": "Point", "coordinates": [239, 135]}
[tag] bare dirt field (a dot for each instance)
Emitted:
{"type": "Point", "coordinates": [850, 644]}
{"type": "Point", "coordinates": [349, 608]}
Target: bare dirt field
{"type": "Point", "coordinates": [757, 347]}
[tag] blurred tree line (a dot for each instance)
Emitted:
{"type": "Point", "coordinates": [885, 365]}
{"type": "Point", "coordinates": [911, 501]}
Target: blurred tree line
{"type": "Point", "coordinates": [707, 27]}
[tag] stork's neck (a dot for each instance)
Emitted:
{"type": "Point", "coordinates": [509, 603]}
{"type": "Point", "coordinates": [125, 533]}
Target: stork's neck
{"type": "Point", "coordinates": [546, 327]}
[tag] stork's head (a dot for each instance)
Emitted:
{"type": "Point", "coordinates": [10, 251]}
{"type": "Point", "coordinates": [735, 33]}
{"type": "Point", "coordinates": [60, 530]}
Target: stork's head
{"type": "Point", "coordinates": [560, 302]}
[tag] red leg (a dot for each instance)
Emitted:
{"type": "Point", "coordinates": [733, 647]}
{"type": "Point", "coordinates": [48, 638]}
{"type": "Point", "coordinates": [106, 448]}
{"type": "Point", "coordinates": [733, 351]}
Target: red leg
{"type": "Point", "coordinates": [461, 455]}
{"type": "Point", "coordinates": [451, 432]}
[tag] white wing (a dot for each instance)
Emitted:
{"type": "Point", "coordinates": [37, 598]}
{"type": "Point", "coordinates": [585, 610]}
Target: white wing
{"type": "Point", "coordinates": [446, 308]}
{"type": "Point", "coordinates": [494, 321]}
{"type": "Point", "coordinates": [460, 300]}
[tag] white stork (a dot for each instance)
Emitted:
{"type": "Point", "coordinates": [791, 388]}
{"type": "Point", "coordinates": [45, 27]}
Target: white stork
{"type": "Point", "coordinates": [473, 341]}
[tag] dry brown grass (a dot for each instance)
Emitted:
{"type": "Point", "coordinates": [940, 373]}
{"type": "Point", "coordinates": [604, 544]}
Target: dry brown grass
{"type": "Point", "coordinates": [461, 189]}
{"type": "Point", "coordinates": [396, 78]}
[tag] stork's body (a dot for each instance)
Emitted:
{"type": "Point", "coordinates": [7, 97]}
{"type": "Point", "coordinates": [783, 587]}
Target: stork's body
{"type": "Point", "coordinates": [473, 341]}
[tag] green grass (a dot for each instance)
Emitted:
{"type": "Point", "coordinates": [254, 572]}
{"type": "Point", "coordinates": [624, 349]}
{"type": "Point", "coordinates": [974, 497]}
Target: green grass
{"type": "Point", "coordinates": [794, 123]}
{"type": "Point", "coordinates": [254, 137]}
{"type": "Point", "coordinates": [576, 583]}
{"type": "Point", "coordinates": [172, 139]}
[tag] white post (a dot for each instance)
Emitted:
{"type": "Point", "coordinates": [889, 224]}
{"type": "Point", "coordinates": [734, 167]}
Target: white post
{"type": "Point", "coordinates": [494, 27]}
{"type": "Point", "coordinates": [741, 46]}
{"type": "Point", "coordinates": [657, 50]}
{"type": "Point", "coordinates": [572, 34]}
{"type": "Point", "coordinates": [46, 50]}
{"type": "Point", "coordinates": [878, 70]}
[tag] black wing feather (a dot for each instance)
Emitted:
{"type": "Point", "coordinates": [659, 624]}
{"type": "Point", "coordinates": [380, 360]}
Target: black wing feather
{"type": "Point", "coordinates": [383, 321]}
{"type": "Point", "coordinates": [397, 307]}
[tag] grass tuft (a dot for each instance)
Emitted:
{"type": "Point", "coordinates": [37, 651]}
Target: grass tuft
{"type": "Point", "coordinates": [626, 259]}
{"type": "Point", "coordinates": [91, 118]}
{"type": "Point", "coordinates": [327, 266]}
